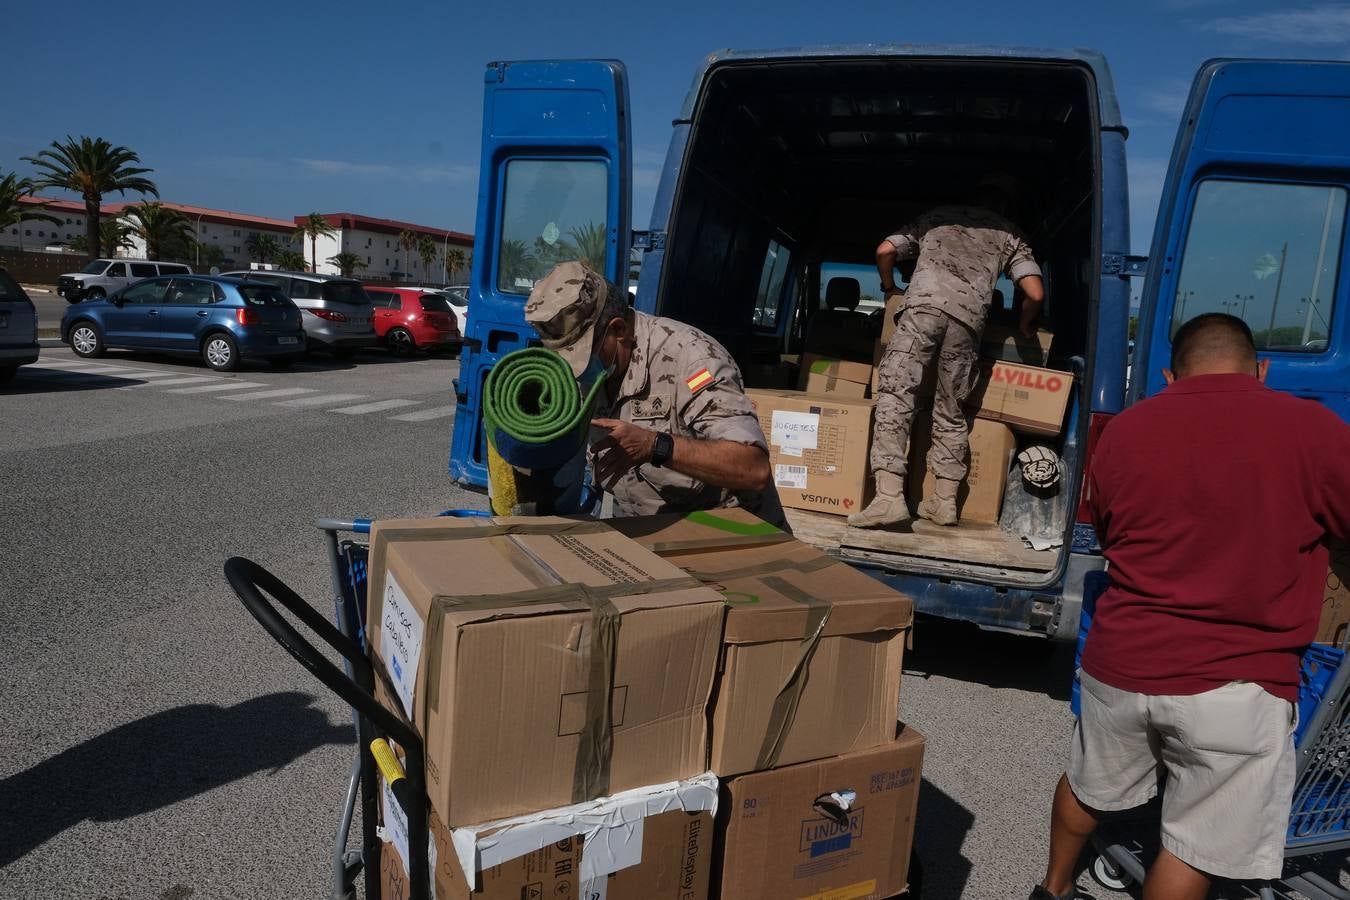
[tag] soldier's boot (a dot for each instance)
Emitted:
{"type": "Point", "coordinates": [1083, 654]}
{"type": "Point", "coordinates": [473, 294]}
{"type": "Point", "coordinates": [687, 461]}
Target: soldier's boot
{"type": "Point", "coordinates": [940, 508]}
{"type": "Point", "coordinates": [887, 507]}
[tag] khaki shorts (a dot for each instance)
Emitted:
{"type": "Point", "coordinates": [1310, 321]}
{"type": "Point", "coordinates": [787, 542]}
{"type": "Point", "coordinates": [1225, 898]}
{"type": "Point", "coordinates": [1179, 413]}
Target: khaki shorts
{"type": "Point", "coordinates": [1229, 759]}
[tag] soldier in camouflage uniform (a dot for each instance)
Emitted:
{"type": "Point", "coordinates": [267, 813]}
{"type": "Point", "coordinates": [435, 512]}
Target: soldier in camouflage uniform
{"type": "Point", "coordinates": [961, 251]}
{"type": "Point", "coordinates": [679, 433]}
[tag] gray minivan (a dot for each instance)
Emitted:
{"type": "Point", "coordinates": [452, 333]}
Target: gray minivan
{"type": "Point", "coordinates": [18, 328]}
{"type": "Point", "coordinates": [335, 311]}
{"type": "Point", "coordinates": [102, 277]}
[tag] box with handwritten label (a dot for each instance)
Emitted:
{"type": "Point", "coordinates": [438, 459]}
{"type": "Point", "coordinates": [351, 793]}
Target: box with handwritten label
{"type": "Point", "coordinates": [543, 661]}
{"type": "Point", "coordinates": [818, 448]}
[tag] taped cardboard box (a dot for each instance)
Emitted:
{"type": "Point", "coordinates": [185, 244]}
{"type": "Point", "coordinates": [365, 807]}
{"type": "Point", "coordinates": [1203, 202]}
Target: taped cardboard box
{"type": "Point", "coordinates": [1336, 597]}
{"type": "Point", "coordinates": [818, 448]}
{"type": "Point", "coordinates": [826, 375]}
{"type": "Point", "coordinates": [1005, 341]}
{"type": "Point", "coordinates": [812, 650]}
{"type": "Point", "coordinates": [1027, 398]}
{"type": "Point", "coordinates": [653, 842]}
{"type": "Point", "coordinates": [840, 827]}
{"type": "Point", "coordinates": [544, 661]}
{"type": "Point", "coordinates": [980, 497]}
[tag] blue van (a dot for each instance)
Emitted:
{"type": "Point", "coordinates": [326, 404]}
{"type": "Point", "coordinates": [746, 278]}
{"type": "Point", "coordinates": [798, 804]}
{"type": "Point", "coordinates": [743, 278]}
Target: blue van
{"type": "Point", "coordinates": [784, 165]}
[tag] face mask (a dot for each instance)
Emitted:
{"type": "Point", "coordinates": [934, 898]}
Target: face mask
{"type": "Point", "coordinates": [596, 372]}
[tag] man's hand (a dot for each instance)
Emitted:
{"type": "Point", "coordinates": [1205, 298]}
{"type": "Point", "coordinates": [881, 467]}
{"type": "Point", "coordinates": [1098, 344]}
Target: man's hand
{"type": "Point", "coordinates": [627, 445]}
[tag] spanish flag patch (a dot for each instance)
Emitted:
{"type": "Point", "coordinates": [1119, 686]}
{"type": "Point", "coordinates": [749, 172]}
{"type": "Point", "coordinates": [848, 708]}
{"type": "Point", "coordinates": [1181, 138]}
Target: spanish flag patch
{"type": "Point", "coordinates": [698, 381]}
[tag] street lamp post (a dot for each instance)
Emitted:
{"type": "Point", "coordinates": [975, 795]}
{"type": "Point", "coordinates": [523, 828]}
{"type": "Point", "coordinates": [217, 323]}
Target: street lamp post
{"type": "Point", "coordinates": [198, 242]}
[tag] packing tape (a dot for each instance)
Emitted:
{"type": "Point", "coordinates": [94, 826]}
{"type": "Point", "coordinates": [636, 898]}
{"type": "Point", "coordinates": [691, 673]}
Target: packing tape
{"type": "Point", "coordinates": [815, 564]}
{"type": "Point", "coordinates": [784, 710]}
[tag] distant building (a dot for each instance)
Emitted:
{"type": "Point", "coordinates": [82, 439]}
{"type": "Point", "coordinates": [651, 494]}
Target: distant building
{"type": "Point", "coordinates": [35, 234]}
{"type": "Point", "coordinates": [376, 242]}
{"type": "Point", "coordinates": [230, 231]}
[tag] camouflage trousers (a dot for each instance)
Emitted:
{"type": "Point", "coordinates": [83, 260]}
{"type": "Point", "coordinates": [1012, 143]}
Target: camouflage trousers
{"type": "Point", "coordinates": [920, 334]}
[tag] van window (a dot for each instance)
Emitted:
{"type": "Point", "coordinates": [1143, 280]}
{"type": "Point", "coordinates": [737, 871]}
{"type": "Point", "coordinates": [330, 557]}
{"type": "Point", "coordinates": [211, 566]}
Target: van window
{"type": "Point", "coordinates": [171, 269]}
{"type": "Point", "coordinates": [769, 296]}
{"type": "Point", "coordinates": [117, 270]}
{"type": "Point", "coordinates": [554, 211]}
{"type": "Point", "coordinates": [95, 268]}
{"type": "Point", "coordinates": [1266, 252]}
{"type": "Point", "coordinates": [143, 270]}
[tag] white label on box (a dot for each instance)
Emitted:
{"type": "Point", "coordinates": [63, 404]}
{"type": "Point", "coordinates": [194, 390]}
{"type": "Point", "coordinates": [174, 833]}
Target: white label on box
{"type": "Point", "coordinates": [400, 641]}
{"type": "Point", "coordinates": [789, 476]}
{"type": "Point", "coordinates": [396, 824]}
{"type": "Point", "coordinates": [595, 889]}
{"type": "Point", "coordinates": [792, 451]}
{"type": "Point", "coordinates": [794, 429]}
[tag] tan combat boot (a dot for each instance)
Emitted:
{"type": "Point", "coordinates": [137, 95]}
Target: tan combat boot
{"type": "Point", "coordinates": [887, 508]}
{"type": "Point", "coordinates": [940, 508]}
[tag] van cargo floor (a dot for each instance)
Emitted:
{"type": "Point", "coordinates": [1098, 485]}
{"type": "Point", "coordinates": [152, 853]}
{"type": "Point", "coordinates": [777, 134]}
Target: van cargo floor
{"type": "Point", "coordinates": [983, 545]}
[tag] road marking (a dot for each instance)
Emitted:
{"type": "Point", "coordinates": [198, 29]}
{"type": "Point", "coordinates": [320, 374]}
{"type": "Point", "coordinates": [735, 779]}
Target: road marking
{"type": "Point", "coordinates": [321, 400]}
{"type": "Point", "coordinates": [423, 415]}
{"type": "Point", "coordinates": [377, 406]}
{"type": "Point", "coordinates": [145, 374]}
{"type": "Point", "coordinates": [267, 395]}
{"type": "Point", "coordinates": [228, 386]}
{"type": "Point", "coordinates": [92, 368]}
{"type": "Point", "coordinates": [188, 379]}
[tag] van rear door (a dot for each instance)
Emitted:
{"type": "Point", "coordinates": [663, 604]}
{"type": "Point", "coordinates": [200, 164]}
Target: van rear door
{"type": "Point", "coordinates": [554, 185]}
{"type": "Point", "coordinates": [1252, 222]}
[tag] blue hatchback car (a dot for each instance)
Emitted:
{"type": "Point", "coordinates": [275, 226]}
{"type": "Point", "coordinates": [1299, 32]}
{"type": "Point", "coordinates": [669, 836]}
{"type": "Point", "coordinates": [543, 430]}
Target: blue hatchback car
{"type": "Point", "coordinates": [223, 320]}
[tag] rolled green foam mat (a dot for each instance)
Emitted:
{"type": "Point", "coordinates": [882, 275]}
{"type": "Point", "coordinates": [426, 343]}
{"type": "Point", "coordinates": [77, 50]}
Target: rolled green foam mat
{"type": "Point", "coordinates": [533, 409]}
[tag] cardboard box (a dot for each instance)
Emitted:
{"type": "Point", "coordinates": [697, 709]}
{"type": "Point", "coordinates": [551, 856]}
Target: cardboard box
{"type": "Point", "coordinates": [768, 708]}
{"type": "Point", "coordinates": [1029, 399]}
{"type": "Point", "coordinates": [1004, 340]}
{"type": "Point", "coordinates": [818, 448]}
{"type": "Point", "coordinates": [980, 497]}
{"type": "Point", "coordinates": [892, 309]}
{"type": "Point", "coordinates": [776, 843]}
{"type": "Point", "coordinates": [781, 376]}
{"type": "Point", "coordinates": [544, 661]}
{"type": "Point", "coordinates": [825, 375]}
{"type": "Point", "coordinates": [1336, 597]}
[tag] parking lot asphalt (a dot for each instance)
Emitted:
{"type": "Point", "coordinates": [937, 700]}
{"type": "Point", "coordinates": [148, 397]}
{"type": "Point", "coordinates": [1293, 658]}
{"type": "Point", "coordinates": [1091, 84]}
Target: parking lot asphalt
{"type": "Point", "coordinates": [160, 745]}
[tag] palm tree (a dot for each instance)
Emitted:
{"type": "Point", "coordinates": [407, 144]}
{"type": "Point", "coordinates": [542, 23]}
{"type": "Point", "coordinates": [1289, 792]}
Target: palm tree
{"type": "Point", "coordinates": [426, 251]}
{"type": "Point", "coordinates": [114, 235]}
{"type": "Point", "coordinates": [161, 228]}
{"type": "Point", "coordinates": [210, 255]}
{"type": "Point", "coordinates": [313, 227]}
{"type": "Point", "coordinates": [592, 243]}
{"type": "Point", "coordinates": [407, 240]}
{"type": "Point", "coordinates": [13, 211]}
{"type": "Point", "coordinates": [454, 261]}
{"type": "Point", "coordinates": [262, 247]}
{"type": "Point", "coordinates": [347, 263]}
{"type": "Point", "coordinates": [290, 260]}
{"type": "Point", "coordinates": [91, 167]}
{"type": "Point", "coordinates": [516, 262]}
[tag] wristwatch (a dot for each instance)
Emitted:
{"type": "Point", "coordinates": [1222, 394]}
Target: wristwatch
{"type": "Point", "coordinates": [662, 449]}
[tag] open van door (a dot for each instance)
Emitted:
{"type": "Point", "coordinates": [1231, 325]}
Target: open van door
{"type": "Point", "coordinates": [554, 185]}
{"type": "Point", "coordinates": [1252, 222]}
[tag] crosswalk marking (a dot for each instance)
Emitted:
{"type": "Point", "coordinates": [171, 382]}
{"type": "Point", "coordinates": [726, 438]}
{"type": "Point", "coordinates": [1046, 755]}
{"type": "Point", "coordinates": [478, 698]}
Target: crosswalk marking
{"type": "Point", "coordinates": [321, 400]}
{"type": "Point", "coordinates": [143, 374]}
{"type": "Point", "coordinates": [423, 415]}
{"type": "Point", "coordinates": [268, 395]}
{"type": "Point", "coordinates": [92, 368]}
{"type": "Point", "coordinates": [377, 406]}
{"type": "Point", "coordinates": [225, 386]}
{"type": "Point", "coordinates": [187, 379]}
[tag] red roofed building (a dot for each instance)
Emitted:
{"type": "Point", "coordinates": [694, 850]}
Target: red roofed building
{"type": "Point", "coordinates": [376, 242]}
{"type": "Point", "coordinates": [35, 234]}
{"type": "Point", "coordinates": [230, 231]}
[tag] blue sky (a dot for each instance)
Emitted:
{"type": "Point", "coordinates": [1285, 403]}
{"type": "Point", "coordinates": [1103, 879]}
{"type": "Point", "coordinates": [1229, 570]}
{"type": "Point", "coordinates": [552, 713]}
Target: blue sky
{"type": "Point", "coordinates": [283, 108]}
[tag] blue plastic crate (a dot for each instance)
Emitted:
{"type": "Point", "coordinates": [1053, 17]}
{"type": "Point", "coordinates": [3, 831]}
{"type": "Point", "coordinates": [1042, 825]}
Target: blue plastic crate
{"type": "Point", "coordinates": [1316, 670]}
{"type": "Point", "coordinates": [1094, 585]}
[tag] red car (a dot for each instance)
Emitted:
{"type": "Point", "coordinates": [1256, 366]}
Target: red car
{"type": "Point", "coordinates": [408, 320]}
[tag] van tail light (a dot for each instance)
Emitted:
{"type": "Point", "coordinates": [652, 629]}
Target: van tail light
{"type": "Point", "coordinates": [327, 314]}
{"type": "Point", "coordinates": [248, 316]}
{"type": "Point", "coordinates": [1095, 426]}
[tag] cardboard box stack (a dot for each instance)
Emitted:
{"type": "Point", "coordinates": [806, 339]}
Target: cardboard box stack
{"type": "Point", "coordinates": [561, 674]}
{"type": "Point", "coordinates": [842, 377]}
{"type": "Point", "coordinates": [817, 447]}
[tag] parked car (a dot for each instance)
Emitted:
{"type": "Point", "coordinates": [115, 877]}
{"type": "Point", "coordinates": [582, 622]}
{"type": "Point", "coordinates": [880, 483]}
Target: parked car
{"type": "Point", "coordinates": [223, 320]}
{"type": "Point", "coordinates": [105, 276]}
{"type": "Point", "coordinates": [458, 295]}
{"type": "Point", "coordinates": [18, 328]}
{"type": "Point", "coordinates": [337, 311]}
{"type": "Point", "coordinates": [411, 319]}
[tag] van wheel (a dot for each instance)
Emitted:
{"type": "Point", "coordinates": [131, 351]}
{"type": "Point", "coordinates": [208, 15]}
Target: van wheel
{"type": "Point", "coordinates": [86, 340]}
{"type": "Point", "coordinates": [220, 352]}
{"type": "Point", "coordinates": [95, 294]}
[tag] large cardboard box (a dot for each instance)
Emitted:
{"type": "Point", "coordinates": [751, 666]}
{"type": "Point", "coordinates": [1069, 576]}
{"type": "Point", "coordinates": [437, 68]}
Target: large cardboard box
{"type": "Point", "coordinates": [1004, 340]}
{"type": "Point", "coordinates": [1027, 398]}
{"type": "Point", "coordinates": [782, 837]}
{"type": "Point", "coordinates": [812, 650]}
{"type": "Point", "coordinates": [892, 309]}
{"type": "Point", "coordinates": [818, 448]}
{"type": "Point", "coordinates": [980, 497]}
{"type": "Point", "coordinates": [826, 375]}
{"type": "Point", "coordinates": [652, 842]}
{"type": "Point", "coordinates": [545, 661]}
{"type": "Point", "coordinates": [1336, 597]}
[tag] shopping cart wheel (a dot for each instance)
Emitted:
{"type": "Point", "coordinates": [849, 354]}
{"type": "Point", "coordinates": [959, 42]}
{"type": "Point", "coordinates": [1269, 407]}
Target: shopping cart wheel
{"type": "Point", "coordinates": [1109, 875]}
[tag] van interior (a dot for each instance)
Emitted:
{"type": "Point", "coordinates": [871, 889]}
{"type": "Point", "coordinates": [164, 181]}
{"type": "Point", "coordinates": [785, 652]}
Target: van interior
{"type": "Point", "coordinates": [793, 166]}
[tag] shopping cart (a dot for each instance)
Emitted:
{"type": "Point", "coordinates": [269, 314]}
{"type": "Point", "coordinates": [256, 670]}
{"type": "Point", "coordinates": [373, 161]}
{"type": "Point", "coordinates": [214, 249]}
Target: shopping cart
{"type": "Point", "coordinates": [1318, 835]}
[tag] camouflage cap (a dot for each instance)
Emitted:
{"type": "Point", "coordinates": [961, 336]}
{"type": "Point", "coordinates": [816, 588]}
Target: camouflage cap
{"type": "Point", "coordinates": [564, 307]}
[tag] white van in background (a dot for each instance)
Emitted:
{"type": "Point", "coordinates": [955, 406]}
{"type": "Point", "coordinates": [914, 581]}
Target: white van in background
{"type": "Point", "coordinates": [105, 276]}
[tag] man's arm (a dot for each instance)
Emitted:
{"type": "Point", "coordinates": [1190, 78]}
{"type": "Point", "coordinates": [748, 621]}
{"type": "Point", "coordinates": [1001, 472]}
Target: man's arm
{"type": "Point", "coordinates": [1033, 298]}
{"type": "Point", "coordinates": [725, 464]}
{"type": "Point", "coordinates": [898, 246]}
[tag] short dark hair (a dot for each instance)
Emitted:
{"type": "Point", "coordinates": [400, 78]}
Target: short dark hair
{"type": "Point", "coordinates": [1212, 334]}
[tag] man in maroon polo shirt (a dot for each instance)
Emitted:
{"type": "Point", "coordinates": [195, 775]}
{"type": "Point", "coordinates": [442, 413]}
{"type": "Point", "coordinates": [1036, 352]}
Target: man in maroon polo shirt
{"type": "Point", "coordinates": [1212, 502]}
